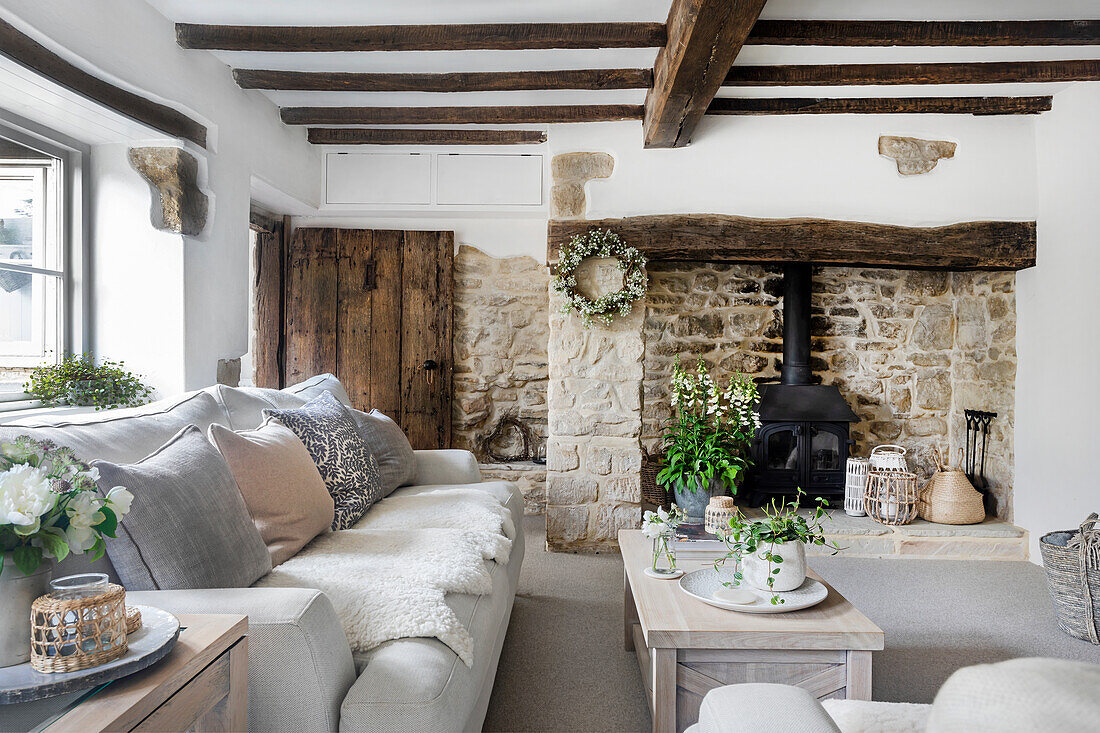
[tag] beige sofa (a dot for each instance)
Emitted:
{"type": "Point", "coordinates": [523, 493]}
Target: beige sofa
{"type": "Point", "coordinates": [302, 673]}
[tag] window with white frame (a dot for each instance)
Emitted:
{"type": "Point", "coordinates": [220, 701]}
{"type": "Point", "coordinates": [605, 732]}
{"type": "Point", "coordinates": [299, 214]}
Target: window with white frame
{"type": "Point", "coordinates": [33, 287]}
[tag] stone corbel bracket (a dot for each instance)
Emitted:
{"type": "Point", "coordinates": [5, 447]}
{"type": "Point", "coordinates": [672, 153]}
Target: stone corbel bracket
{"type": "Point", "coordinates": [913, 155]}
{"type": "Point", "coordinates": [569, 172]}
{"type": "Point", "coordinates": [178, 204]}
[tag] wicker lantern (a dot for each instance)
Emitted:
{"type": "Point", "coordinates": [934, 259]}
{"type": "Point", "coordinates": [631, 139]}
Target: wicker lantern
{"type": "Point", "coordinates": [855, 484]}
{"type": "Point", "coordinates": [718, 513]}
{"type": "Point", "coordinates": [891, 497]}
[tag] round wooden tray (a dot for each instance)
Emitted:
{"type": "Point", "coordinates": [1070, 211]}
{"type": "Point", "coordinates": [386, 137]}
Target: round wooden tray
{"type": "Point", "coordinates": [149, 644]}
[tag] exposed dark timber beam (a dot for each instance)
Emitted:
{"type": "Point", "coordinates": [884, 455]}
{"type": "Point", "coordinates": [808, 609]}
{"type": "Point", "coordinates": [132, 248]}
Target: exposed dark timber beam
{"type": "Point", "coordinates": [879, 105]}
{"type": "Point", "coordinates": [391, 136]}
{"type": "Point", "coordinates": [488, 81]}
{"type": "Point", "coordinates": [989, 72]}
{"type": "Point", "coordinates": [925, 33]}
{"type": "Point", "coordinates": [460, 115]}
{"type": "Point", "coordinates": [496, 36]}
{"type": "Point", "coordinates": [974, 245]}
{"type": "Point", "coordinates": [28, 53]}
{"type": "Point", "coordinates": [704, 38]}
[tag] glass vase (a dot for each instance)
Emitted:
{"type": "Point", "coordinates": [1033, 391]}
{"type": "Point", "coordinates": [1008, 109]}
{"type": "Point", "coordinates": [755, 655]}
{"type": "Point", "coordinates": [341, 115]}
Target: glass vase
{"type": "Point", "coordinates": [81, 625]}
{"type": "Point", "coordinates": [664, 554]}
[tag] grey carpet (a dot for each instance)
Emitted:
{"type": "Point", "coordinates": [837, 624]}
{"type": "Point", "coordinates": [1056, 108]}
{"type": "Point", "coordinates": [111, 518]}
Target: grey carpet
{"type": "Point", "coordinates": [563, 667]}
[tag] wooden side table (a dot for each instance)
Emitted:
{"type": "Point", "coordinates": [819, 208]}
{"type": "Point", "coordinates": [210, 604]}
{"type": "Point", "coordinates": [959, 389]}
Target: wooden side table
{"type": "Point", "coordinates": [202, 685]}
{"type": "Point", "coordinates": [686, 648]}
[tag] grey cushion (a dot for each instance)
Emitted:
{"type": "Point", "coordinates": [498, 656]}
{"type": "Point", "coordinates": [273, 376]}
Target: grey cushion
{"type": "Point", "coordinates": [389, 446]}
{"type": "Point", "coordinates": [245, 405]}
{"type": "Point", "coordinates": [188, 526]}
{"type": "Point", "coordinates": [349, 470]}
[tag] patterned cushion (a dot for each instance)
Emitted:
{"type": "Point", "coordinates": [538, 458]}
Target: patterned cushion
{"type": "Point", "coordinates": [346, 465]}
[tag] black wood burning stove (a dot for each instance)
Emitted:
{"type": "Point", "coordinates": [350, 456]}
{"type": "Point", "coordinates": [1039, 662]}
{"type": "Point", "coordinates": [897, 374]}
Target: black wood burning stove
{"type": "Point", "coordinates": [803, 439]}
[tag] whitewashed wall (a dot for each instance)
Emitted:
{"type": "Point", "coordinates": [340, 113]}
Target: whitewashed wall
{"type": "Point", "coordinates": [169, 305]}
{"type": "Point", "coordinates": [1058, 326]}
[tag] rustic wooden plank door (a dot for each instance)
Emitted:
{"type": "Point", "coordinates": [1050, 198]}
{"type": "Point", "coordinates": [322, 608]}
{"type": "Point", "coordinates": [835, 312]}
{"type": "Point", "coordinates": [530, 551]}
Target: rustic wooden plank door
{"type": "Point", "coordinates": [375, 308]}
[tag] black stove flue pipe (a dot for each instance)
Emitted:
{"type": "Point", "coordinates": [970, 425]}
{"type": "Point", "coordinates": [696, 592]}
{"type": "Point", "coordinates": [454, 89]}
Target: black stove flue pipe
{"type": "Point", "coordinates": [796, 324]}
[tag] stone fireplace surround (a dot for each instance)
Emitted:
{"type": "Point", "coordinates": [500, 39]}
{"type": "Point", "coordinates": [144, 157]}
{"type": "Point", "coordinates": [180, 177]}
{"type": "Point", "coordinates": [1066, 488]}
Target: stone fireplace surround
{"type": "Point", "coordinates": [910, 351]}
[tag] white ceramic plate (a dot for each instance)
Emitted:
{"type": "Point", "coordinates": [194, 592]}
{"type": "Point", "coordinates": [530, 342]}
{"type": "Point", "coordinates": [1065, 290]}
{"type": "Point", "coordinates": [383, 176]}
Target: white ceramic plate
{"type": "Point", "coordinates": [703, 584]}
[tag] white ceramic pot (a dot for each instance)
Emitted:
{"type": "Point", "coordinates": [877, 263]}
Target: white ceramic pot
{"type": "Point", "coordinates": [17, 593]}
{"type": "Point", "coordinates": [792, 571]}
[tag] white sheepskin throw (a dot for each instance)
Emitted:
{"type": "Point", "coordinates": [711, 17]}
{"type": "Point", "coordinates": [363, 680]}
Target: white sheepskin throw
{"type": "Point", "coordinates": [387, 576]}
{"type": "Point", "coordinates": [861, 716]}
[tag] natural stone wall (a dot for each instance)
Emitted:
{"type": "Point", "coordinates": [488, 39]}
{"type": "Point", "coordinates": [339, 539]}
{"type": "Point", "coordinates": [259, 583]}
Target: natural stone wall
{"type": "Point", "coordinates": [910, 350]}
{"type": "Point", "coordinates": [570, 171]}
{"type": "Point", "coordinates": [178, 204]}
{"type": "Point", "coordinates": [529, 477]}
{"type": "Point", "coordinates": [595, 417]}
{"type": "Point", "coordinates": [500, 339]}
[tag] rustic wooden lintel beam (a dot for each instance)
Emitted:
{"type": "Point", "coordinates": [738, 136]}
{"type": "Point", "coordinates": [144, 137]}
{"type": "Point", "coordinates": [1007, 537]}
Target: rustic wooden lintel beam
{"type": "Point", "coordinates": [974, 245]}
{"type": "Point", "coordinates": [925, 33]}
{"type": "Point", "coordinates": [879, 105]}
{"type": "Point", "coordinates": [29, 53]}
{"type": "Point", "coordinates": [399, 136]}
{"type": "Point", "coordinates": [985, 72]}
{"type": "Point", "coordinates": [462, 81]}
{"type": "Point", "coordinates": [518, 115]}
{"type": "Point", "coordinates": [469, 36]}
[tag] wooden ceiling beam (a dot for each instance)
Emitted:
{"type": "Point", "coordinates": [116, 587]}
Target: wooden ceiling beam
{"type": "Point", "coordinates": [476, 81]}
{"type": "Point", "coordinates": [704, 38]}
{"type": "Point", "coordinates": [987, 72]}
{"type": "Point", "coordinates": [539, 114]}
{"type": "Point", "coordinates": [879, 105]}
{"type": "Point", "coordinates": [30, 54]}
{"type": "Point", "coordinates": [973, 245]}
{"type": "Point", "coordinates": [397, 136]}
{"type": "Point", "coordinates": [925, 33]}
{"type": "Point", "coordinates": [472, 36]}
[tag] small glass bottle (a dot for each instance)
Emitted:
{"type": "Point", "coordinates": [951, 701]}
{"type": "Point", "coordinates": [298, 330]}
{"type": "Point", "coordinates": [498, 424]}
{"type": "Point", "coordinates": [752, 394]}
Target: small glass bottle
{"type": "Point", "coordinates": [664, 553]}
{"type": "Point", "coordinates": [80, 625]}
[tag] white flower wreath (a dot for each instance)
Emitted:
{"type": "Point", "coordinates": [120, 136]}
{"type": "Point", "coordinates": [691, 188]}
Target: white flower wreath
{"type": "Point", "coordinates": [600, 243]}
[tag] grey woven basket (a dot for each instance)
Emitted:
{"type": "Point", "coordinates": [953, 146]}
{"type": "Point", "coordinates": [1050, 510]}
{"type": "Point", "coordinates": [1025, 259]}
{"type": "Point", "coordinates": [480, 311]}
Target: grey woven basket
{"type": "Point", "coordinates": [1072, 562]}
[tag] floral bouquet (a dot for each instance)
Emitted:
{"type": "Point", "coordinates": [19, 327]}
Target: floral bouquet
{"type": "Point", "coordinates": [50, 505]}
{"type": "Point", "coordinates": [660, 526]}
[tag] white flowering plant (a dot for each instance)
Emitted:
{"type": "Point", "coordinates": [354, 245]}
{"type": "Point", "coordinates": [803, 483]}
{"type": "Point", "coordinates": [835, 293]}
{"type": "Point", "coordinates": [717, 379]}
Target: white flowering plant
{"type": "Point", "coordinates": [710, 431]}
{"type": "Point", "coordinates": [659, 526]}
{"type": "Point", "coordinates": [50, 505]}
{"type": "Point", "coordinates": [600, 243]}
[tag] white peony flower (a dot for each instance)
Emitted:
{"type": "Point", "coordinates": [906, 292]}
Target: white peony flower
{"type": "Point", "coordinates": [120, 499]}
{"type": "Point", "coordinates": [653, 530]}
{"type": "Point", "coordinates": [24, 497]}
{"type": "Point", "coordinates": [83, 510]}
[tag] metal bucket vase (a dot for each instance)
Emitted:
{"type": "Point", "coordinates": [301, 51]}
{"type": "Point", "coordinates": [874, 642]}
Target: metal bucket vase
{"type": "Point", "coordinates": [694, 503]}
{"type": "Point", "coordinates": [17, 593]}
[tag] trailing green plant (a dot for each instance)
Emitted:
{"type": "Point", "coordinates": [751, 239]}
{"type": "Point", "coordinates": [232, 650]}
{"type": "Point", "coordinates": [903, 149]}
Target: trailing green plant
{"type": "Point", "coordinates": [710, 431]}
{"type": "Point", "coordinates": [781, 524]}
{"type": "Point", "coordinates": [78, 379]}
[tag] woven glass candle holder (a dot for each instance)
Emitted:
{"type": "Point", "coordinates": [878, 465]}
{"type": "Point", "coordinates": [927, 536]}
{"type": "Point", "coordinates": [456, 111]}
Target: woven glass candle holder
{"type": "Point", "coordinates": [891, 497]}
{"type": "Point", "coordinates": [82, 624]}
{"type": "Point", "coordinates": [718, 513]}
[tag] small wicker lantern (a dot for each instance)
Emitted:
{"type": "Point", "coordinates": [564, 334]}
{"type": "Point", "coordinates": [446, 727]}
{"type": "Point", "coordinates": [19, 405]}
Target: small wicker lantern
{"type": "Point", "coordinates": [891, 497]}
{"type": "Point", "coordinates": [77, 633]}
{"type": "Point", "coordinates": [718, 513]}
{"type": "Point", "coordinates": [855, 484]}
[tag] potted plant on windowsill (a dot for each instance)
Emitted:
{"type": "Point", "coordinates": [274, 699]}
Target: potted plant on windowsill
{"type": "Point", "coordinates": [50, 506]}
{"type": "Point", "coordinates": [79, 380]}
{"type": "Point", "coordinates": [706, 444]}
{"type": "Point", "coordinates": [772, 550]}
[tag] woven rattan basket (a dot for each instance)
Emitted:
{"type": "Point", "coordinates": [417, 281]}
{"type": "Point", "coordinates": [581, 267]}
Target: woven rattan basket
{"type": "Point", "coordinates": [652, 493]}
{"type": "Point", "coordinates": [78, 633]}
{"type": "Point", "coordinates": [949, 497]}
{"type": "Point", "coordinates": [1072, 562]}
{"type": "Point", "coordinates": [891, 497]}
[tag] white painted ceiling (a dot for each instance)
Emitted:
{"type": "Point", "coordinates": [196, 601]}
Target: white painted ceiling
{"type": "Point", "coordinates": [384, 12]}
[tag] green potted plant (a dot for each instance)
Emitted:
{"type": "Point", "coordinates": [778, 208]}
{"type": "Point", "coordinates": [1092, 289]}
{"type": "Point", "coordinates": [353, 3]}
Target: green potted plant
{"type": "Point", "coordinates": [772, 550]}
{"type": "Point", "coordinates": [79, 380]}
{"type": "Point", "coordinates": [706, 444]}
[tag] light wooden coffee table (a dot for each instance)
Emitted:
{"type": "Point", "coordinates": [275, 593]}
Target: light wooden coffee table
{"type": "Point", "coordinates": [686, 647]}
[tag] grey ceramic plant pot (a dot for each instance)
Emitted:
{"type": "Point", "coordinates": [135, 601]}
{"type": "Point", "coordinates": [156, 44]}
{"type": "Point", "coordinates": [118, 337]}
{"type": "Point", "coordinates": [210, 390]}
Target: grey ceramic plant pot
{"type": "Point", "coordinates": [694, 502]}
{"type": "Point", "coordinates": [17, 593]}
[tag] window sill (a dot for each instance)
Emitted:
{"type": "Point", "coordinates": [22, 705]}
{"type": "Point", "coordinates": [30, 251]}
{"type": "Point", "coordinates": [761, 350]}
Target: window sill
{"type": "Point", "coordinates": [45, 413]}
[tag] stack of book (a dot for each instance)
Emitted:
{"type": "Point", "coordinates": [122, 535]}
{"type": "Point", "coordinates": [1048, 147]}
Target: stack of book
{"type": "Point", "coordinates": [693, 544]}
